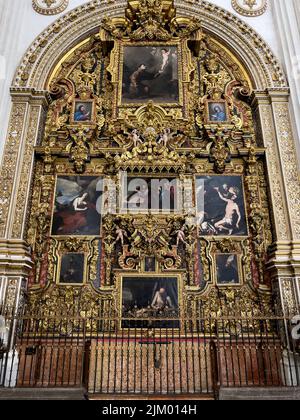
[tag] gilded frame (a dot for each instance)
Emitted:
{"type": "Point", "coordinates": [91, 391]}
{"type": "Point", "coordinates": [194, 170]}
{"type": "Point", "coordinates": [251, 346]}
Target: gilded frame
{"type": "Point", "coordinates": [92, 121]}
{"type": "Point", "coordinates": [59, 267]}
{"type": "Point", "coordinates": [239, 268]}
{"type": "Point", "coordinates": [242, 176]}
{"type": "Point", "coordinates": [119, 296]}
{"type": "Point", "coordinates": [117, 65]}
{"type": "Point", "coordinates": [63, 237]}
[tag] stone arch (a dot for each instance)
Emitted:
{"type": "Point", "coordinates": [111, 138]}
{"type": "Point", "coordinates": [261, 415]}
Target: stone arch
{"type": "Point", "coordinates": [61, 36]}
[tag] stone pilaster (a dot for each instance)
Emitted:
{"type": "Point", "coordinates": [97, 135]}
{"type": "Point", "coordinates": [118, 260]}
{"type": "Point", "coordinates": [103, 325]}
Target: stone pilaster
{"type": "Point", "coordinates": [271, 108]}
{"type": "Point", "coordinates": [267, 136]}
{"type": "Point", "coordinates": [16, 171]}
{"type": "Point", "coordinates": [25, 128]}
{"type": "Point", "coordinates": [12, 22]}
{"type": "Point", "coordinates": [3, 285]}
{"type": "Point", "coordinates": [290, 295]}
{"type": "Point", "coordinates": [287, 22]}
{"type": "Point", "coordinates": [12, 291]}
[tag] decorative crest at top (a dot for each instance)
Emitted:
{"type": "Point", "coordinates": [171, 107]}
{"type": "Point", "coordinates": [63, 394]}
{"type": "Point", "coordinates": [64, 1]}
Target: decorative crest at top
{"type": "Point", "coordinates": [153, 20]}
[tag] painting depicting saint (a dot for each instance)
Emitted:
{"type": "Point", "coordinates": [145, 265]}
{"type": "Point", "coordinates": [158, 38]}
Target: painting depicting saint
{"type": "Point", "coordinates": [77, 207]}
{"type": "Point", "coordinates": [150, 73]}
{"type": "Point", "coordinates": [220, 206]}
{"type": "Point", "coordinates": [227, 269]}
{"type": "Point", "coordinates": [150, 298]}
{"type": "Point", "coordinates": [217, 112]}
{"type": "Point", "coordinates": [83, 111]}
{"type": "Point", "coordinates": [72, 269]}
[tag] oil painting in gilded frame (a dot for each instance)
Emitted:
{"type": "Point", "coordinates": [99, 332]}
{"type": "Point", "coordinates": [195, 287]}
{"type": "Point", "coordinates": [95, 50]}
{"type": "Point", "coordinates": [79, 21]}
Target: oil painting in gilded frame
{"type": "Point", "coordinates": [83, 112]}
{"type": "Point", "coordinates": [72, 269]}
{"type": "Point", "coordinates": [150, 72]}
{"type": "Point", "coordinates": [221, 209]}
{"type": "Point", "coordinates": [150, 301]}
{"type": "Point", "coordinates": [77, 206]}
{"type": "Point", "coordinates": [217, 112]}
{"type": "Point", "coordinates": [228, 270]}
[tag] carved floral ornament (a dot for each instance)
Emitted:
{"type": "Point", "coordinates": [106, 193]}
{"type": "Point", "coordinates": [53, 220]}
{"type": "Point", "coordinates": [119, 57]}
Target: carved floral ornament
{"type": "Point", "coordinates": [49, 7]}
{"type": "Point", "coordinates": [250, 8]}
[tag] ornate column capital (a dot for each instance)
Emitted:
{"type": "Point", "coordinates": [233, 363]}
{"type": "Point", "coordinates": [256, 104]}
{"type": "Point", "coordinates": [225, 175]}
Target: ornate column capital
{"type": "Point", "coordinates": [281, 94]}
{"type": "Point", "coordinates": [259, 97]}
{"type": "Point", "coordinates": [266, 97]}
{"type": "Point", "coordinates": [30, 96]}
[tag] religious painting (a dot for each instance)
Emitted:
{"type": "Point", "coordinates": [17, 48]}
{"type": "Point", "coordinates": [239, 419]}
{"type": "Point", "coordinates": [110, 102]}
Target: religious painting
{"type": "Point", "coordinates": [150, 73]}
{"type": "Point", "coordinates": [221, 207]}
{"type": "Point", "coordinates": [150, 302]}
{"type": "Point", "coordinates": [141, 194]}
{"type": "Point", "coordinates": [83, 112]}
{"type": "Point", "coordinates": [217, 111]}
{"type": "Point", "coordinates": [77, 206]}
{"type": "Point", "coordinates": [227, 270]}
{"type": "Point", "coordinates": [72, 269]}
{"type": "Point", "coordinates": [150, 264]}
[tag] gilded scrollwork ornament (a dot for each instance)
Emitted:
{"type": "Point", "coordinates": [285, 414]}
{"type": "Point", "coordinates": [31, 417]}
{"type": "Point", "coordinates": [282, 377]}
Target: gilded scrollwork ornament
{"type": "Point", "coordinates": [151, 20]}
{"type": "Point", "coordinates": [79, 148]}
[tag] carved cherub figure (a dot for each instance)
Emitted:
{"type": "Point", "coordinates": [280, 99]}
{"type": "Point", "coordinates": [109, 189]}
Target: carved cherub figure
{"type": "Point", "coordinates": [121, 235]}
{"type": "Point", "coordinates": [136, 138]}
{"type": "Point", "coordinates": [165, 136]}
{"type": "Point", "coordinates": [181, 237]}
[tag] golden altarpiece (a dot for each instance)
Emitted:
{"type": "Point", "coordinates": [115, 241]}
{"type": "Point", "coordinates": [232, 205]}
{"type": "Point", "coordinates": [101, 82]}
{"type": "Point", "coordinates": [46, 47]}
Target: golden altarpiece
{"type": "Point", "coordinates": [152, 96]}
{"type": "Point", "coordinates": [144, 135]}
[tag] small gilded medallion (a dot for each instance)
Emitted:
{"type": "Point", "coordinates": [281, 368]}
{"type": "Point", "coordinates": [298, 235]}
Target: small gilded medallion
{"type": "Point", "coordinates": [49, 7]}
{"type": "Point", "coordinates": [250, 8]}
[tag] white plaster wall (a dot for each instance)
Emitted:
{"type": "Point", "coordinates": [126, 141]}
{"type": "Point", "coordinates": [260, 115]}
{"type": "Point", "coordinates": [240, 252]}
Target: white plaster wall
{"type": "Point", "coordinates": [20, 25]}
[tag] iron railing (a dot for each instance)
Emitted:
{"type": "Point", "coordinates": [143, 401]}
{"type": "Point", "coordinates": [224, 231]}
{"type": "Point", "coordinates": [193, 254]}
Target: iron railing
{"type": "Point", "coordinates": [160, 357]}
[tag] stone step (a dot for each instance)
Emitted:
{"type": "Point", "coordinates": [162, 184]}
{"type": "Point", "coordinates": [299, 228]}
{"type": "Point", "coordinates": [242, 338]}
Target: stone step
{"type": "Point", "coordinates": [279, 393]}
{"type": "Point", "coordinates": [144, 397]}
{"type": "Point", "coordinates": [43, 394]}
